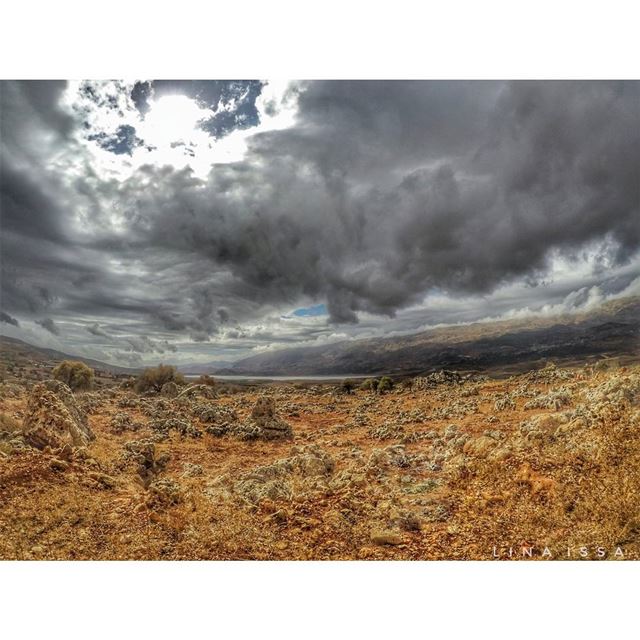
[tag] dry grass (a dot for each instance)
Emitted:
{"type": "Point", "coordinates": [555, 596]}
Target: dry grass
{"type": "Point", "coordinates": [418, 473]}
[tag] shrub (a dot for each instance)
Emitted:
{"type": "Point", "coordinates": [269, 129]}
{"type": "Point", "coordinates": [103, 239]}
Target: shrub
{"type": "Point", "coordinates": [77, 375]}
{"type": "Point", "coordinates": [406, 384]}
{"type": "Point", "coordinates": [347, 386]}
{"type": "Point", "coordinates": [384, 384]}
{"type": "Point", "coordinates": [206, 379]}
{"type": "Point", "coordinates": [370, 384]}
{"type": "Point", "coordinates": [154, 378]}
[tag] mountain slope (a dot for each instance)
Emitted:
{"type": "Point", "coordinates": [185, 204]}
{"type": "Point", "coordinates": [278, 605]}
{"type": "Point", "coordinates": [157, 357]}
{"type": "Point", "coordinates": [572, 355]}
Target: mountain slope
{"type": "Point", "coordinates": [612, 329]}
{"type": "Point", "coordinates": [17, 351]}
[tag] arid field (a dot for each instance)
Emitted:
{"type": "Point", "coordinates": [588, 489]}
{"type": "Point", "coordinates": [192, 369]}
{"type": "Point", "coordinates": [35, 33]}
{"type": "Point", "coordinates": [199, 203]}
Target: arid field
{"type": "Point", "coordinates": [544, 464]}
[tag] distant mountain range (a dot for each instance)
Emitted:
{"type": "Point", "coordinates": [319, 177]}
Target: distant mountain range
{"type": "Point", "coordinates": [612, 329]}
{"type": "Point", "coordinates": [198, 368]}
{"type": "Point", "coordinates": [509, 345]}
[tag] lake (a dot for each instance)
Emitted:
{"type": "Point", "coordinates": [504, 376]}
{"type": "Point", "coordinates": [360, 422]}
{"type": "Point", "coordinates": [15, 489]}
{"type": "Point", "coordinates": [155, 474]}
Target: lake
{"type": "Point", "coordinates": [245, 378]}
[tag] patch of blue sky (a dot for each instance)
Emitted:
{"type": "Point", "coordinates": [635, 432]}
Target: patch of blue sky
{"type": "Point", "coordinates": [315, 310]}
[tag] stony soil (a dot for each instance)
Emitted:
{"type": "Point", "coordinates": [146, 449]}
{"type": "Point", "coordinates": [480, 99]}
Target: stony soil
{"type": "Point", "coordinates": [443, 467]}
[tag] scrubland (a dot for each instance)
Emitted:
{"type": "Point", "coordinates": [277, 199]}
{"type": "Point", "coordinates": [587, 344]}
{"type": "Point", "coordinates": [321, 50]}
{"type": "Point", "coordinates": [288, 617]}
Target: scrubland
{"type": "Point", "coordinates": [445, 466]}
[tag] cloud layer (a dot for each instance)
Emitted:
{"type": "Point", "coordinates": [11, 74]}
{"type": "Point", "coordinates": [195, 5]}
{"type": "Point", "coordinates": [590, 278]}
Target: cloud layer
{"type": "Point", "coordinates": [376, 199]}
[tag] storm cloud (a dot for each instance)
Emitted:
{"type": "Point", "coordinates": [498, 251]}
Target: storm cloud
{"type": "Point", "coordinates": [49, 325]}
{"type": "Point", "coordinates": [5, 317]}
{"type": "Point", "coordinates": [372, 199]}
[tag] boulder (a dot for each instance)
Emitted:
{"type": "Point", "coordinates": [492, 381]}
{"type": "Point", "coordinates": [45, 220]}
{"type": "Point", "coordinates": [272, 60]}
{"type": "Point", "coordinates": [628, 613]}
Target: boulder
{"type": "Point", "coordinates": [64, 393]}
{"type": "Point", "coordinates": [198, 391]}
{"type": "Point", "coordinates": [54, 419]}
{"type": "Point", "coordinates": [264, 423]}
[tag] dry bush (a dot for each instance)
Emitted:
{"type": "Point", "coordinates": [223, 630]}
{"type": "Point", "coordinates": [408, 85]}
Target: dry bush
{"type": "Point", "coordinates": [206, 379]}
{"type": "Point", "coordinates": [76, 375]}
{"type": "Point", "coordinates": [153, 378]}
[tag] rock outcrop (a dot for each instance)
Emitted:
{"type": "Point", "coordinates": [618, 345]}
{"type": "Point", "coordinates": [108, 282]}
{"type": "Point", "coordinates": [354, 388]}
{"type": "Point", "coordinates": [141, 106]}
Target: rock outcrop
{"type": "Point", "coordinates": [148, 464]}
{"type": "Point", "coordinates": [54, 419]}
{"type": "Point", "coordinates": [265, 423]}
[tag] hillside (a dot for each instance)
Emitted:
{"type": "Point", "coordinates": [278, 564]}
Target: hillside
{"type": "Point", "coordinates": [612, 329]}
{"type": "Point", "coordinates": [22, 354]}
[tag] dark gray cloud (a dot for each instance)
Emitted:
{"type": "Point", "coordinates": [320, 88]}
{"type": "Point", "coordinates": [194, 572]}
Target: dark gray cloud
{"type": "Point", "coordinates": [5, 317]}
{"type": "Point", "coordinates": [480, 195]}
{"type": "Point", "coordinates": [49, 325]}
{"type": "Point", "coordinates": [95, 330]}
{"type": "Point", "coordinates": [378, 194]}
{"type": "Point", "coordinates": [140, 95]}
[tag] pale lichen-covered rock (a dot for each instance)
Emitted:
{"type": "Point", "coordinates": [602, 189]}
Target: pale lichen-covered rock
{"type": "Point", "coordinates": [312, 461]}
{"type": "Point", "coordinates": [149, 465]}
{"type": "Point", "coordinates": [213, 414]}
{"type": "Point", "coordinates": [305, 473]}
{"type": "Point", "coordinates": [191, 470]}
{"type": "Point", "coordinates": [504, 403]}
{"type": "Point", "coordinates": [543, 426]}
{"type": "Point", "coordinates": [185, 428]}
{"type": "Point", "coordinates": [438, 378]}
{"type": "Point", "coordinates": [264, 423]}
{"type": "Point", "coordinates": [64, 393]}
{"type": "Point", "coordinates": [54, 419]}
{"type": "Point", "coordinates": [219, 420]}
{"type": "Point", "coordinates": [555, 399]}
{"type": "Point", "coordinates": [198, 390]}
{"type": "Point", "coordinates": [164, 493]}
{"type": "Point", "coordinates": [121, 422]}
{"type": "Point", "coordinates": [387, 431]}
{"type": "Point", "coordinates": [383, 459]}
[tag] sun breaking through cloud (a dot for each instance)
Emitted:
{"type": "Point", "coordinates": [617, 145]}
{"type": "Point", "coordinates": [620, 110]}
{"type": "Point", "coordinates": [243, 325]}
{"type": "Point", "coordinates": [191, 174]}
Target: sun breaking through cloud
{"type": "Point", "coordinates": [214, 219]}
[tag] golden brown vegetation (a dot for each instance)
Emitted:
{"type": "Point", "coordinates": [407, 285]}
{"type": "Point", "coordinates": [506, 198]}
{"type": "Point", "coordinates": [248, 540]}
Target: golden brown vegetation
{"type": "Point", "coordinates": [154, 378]}
{"type": "Point", "coordinates": [449, 466]}
{"type": "Point", "coordinates": [76, 375]}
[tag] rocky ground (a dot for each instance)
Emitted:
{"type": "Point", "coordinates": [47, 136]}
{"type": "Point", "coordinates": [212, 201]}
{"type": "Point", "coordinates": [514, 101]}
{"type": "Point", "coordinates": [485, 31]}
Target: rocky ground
{"type": "Point", "coordinates": [447, 466]}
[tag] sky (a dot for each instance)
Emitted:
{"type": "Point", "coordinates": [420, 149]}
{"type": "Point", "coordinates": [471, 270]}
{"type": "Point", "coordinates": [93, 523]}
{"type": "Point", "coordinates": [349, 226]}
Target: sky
{"type": "Point", "coordinates": [206, 221]}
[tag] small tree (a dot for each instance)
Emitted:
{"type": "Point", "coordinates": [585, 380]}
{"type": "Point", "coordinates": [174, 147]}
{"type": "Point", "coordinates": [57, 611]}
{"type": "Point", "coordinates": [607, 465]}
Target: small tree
{"type": "Point", "coordinates": [384, 384]}
{"type": "Point", "coordinates": [155, 377]}
{"type": "Point", "coordinates": [77, 375]}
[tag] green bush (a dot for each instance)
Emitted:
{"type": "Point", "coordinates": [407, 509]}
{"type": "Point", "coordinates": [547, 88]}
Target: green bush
{"type": "Point", "coordinates": [347, 385]}
{"type": "Point", "coordinates": [384, 384]}
{"type": "Point", "coordinates": [154, 378]}
{"type": "Point", "coordinates": [370, 384]}
{"type": "Point", "coordinates": [77, 375]}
